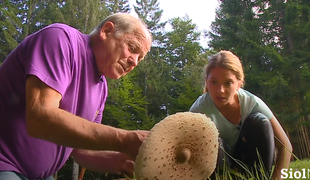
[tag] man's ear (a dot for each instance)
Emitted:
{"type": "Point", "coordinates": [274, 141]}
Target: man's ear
{"type": "Point", "coordinates": [107, 29]}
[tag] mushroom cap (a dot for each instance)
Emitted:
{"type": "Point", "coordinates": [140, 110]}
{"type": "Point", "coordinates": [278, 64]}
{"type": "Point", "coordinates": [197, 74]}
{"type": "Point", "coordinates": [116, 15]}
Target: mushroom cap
{"type": "Point", "coordinates": [181, 146]}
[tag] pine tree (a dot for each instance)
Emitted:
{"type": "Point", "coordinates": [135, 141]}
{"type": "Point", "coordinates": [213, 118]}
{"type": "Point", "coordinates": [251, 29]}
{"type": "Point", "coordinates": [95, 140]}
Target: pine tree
{"type": "Point", "coordinates": [182, 50]}
{"type": "Point", "coordinates": [115, 6]}
{"type": "Point", "coordinates": [11, 27]}
{"type": "Point", "coordinates": [84, 15]}
{"type": "Point", "coordinates": [149, 71]}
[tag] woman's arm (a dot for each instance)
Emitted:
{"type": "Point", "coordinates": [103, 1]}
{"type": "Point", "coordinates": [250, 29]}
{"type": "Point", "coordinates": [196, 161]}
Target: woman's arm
{"type": "Point", "coordinates": [284, 148]}
{"type": "Point", "coordinates": [104, 161]}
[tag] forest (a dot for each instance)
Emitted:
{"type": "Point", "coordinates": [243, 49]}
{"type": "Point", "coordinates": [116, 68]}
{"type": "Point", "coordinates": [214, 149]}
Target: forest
{"type": "Point", "coordinates": [269, 36]}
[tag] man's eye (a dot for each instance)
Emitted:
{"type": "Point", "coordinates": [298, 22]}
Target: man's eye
{"type": "Point", "coordinates": [131, 48]}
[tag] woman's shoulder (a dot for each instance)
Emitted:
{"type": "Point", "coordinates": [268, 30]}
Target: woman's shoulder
{"type": "Point", "coordinates": [245, 94]}
{"type": "Point", "coordinates": [204, 102]}
{"type": "Point", "coordinates": [251, 102]}
{"type": "Point", "coordinates": [205, 99]}
{"type": "Point", "coordinates": [242, 93]}
{"type": "Point", "coordinates": [247, 99]}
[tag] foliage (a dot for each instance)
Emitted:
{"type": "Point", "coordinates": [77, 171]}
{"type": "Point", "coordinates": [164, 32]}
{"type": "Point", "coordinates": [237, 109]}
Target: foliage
{"type": "Point", "coordinates": [84, 15]}
{"type": "Point", "coordinates": [11, 25]}
{"type": "Point", "coordinates": [181, 50]}
{"type": "Point", "coordinates": [115, 6]}
{"type": "Point", "coordinates": [127, 100]}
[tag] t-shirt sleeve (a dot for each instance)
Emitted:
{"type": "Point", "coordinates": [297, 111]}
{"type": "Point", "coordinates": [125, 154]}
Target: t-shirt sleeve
{"type": "Point", "coordinates": [262, 107]}
{"type": "Point", "coordinates": [47, 56]}
{"type": "Point", "coordinates": [196, 107]}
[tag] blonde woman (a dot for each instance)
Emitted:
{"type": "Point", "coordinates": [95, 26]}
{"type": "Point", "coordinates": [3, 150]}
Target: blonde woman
{"type": "Point", "coordinates": [244, 121]}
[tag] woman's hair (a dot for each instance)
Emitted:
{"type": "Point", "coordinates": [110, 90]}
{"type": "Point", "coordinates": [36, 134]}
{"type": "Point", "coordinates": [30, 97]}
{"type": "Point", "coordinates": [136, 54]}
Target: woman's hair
{"type": "Point", "coordinates": [227, 60]}
{"type": "Point", "coordinates": [126, 24]}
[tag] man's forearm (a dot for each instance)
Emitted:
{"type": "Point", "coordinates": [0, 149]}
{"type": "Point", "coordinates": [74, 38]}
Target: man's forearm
{"type": "Point", "coordinates": [64, 128]}
{"type": "Point", "coordinates": [45, 120]}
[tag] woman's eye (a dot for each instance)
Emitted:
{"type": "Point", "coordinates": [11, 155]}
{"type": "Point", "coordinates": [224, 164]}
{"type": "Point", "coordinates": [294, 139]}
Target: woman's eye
{"type": "Point", "coordinates": [229, 83]}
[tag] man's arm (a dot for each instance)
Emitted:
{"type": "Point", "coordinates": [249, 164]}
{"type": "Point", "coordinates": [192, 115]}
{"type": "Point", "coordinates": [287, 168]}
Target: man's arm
{"type": "Point", "coordinates": [104, 161]}
{"type": "Point", "coordinates": [284, 149]}
{"type": "Point", "coordinates": [45, 120]}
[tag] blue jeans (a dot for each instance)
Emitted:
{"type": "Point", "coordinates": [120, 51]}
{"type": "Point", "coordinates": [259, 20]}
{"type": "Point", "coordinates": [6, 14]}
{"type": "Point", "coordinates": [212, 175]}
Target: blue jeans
{"type": "Point", "coordinates": [10, 175]}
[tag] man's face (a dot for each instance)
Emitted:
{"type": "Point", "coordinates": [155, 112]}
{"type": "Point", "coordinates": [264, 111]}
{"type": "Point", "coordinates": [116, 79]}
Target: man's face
{"type": "Point", "coordinates": [117, 56]}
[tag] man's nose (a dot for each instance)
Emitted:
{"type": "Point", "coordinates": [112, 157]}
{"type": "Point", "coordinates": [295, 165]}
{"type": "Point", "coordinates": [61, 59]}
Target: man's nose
{"type": "Point", "coordinates": [133, 60]}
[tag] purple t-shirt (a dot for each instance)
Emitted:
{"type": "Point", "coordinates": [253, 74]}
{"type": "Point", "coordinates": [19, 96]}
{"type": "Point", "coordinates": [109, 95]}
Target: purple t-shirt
{"type": "Point", "coordinates": [61, 57]}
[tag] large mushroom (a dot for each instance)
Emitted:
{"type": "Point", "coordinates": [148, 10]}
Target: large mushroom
{"type": "Point", "coordinates": [181, 146]}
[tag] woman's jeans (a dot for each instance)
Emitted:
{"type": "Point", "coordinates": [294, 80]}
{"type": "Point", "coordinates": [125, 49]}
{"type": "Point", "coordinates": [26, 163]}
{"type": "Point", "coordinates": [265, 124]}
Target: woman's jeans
{"type": "Point", "coordinates": [255, 146]}
{"type": "Point", "coordinates": [10, 175]}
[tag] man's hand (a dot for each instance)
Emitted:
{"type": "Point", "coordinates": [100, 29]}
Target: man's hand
{"type": "Point", "coordinates": [132, 142]}
{"type": "Point", "coordinates": [104, 161]}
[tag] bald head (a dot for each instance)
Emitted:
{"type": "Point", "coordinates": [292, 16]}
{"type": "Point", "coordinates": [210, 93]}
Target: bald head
{"type": "Point", "coordinates": [126, 24]}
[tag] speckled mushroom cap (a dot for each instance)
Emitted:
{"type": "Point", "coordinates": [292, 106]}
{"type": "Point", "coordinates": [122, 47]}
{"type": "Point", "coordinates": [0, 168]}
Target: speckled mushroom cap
{"type": "Point", "coordinates": [181, 146]}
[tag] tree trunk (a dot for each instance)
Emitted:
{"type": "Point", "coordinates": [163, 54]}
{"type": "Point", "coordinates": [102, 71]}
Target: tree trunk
{"type": "Point", "coordinates": [302, 133]}
{"type": "Point", "coordinates": [301, 145]}
{"type": "Point", "coordinates": [303, 141]}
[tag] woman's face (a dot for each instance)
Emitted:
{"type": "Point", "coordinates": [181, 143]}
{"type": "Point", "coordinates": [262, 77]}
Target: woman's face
{"type": "Point", "coordinates": [222, 85]}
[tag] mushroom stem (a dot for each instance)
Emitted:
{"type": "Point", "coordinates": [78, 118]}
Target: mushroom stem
{"type": "Point", "coordinates": [183, 154]}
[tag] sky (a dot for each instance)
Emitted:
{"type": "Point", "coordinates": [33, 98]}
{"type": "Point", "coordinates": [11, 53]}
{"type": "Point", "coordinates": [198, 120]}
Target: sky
{"type": "Point", "coordinates": [202, 12]}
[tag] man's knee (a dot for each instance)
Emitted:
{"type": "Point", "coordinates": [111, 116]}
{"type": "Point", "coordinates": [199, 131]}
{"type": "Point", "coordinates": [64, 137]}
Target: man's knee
{"type": "Point", "coordinates": [10, 175]}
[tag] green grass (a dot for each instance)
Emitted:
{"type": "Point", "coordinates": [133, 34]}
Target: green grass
{"type": "Point", "coordinates": [299, 165]}
{"type": "Point", "coordinates": [259, 173]}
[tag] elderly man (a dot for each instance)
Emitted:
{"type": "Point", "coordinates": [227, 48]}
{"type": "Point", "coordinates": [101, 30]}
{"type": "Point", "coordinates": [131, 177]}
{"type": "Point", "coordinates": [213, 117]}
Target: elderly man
{"type": "Point", "coordinates": [52, 95]}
